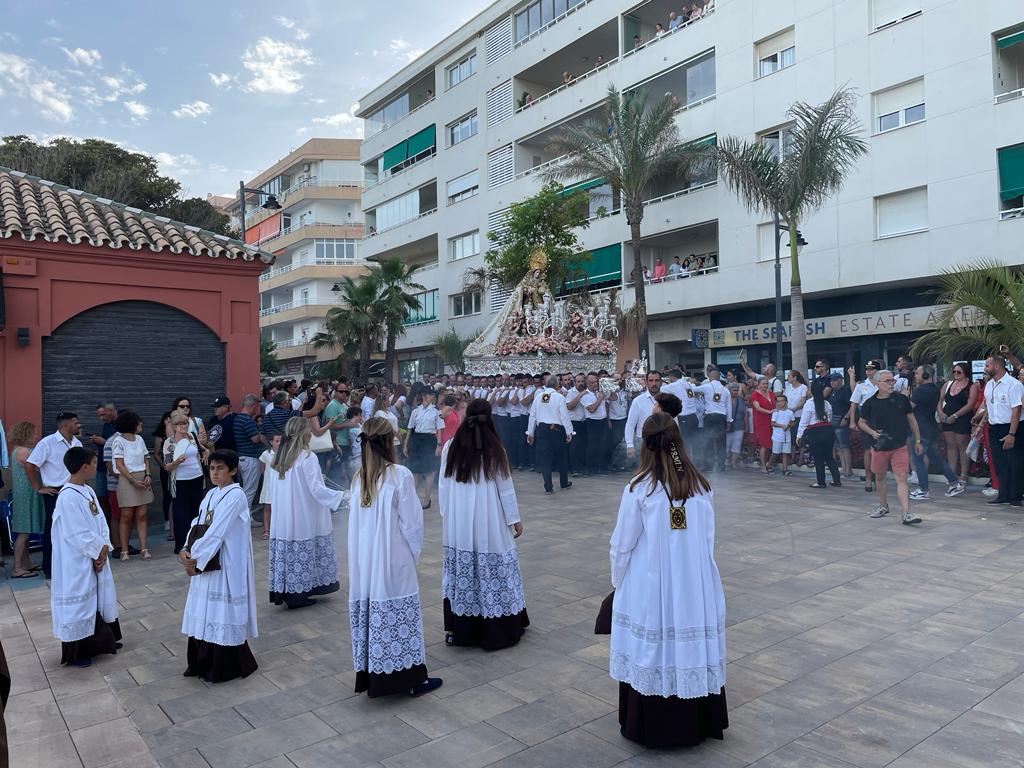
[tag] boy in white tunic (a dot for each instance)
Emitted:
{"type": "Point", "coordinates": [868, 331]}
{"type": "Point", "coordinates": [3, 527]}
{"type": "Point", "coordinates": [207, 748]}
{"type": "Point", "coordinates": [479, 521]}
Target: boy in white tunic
{"type": "Point", "coordinates": [83, 600]}
{"type": "Point", "coordinates": [385, 537]}
{"type": "Point", "coordinates": [220, 610]}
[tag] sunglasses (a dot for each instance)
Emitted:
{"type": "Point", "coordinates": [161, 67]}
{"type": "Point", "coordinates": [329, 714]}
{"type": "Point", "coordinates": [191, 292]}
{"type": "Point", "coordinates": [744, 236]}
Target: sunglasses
{"type": "Point", "coordinates": [341, 391]}
{"type": "Point", "coordinates": [186, 405]}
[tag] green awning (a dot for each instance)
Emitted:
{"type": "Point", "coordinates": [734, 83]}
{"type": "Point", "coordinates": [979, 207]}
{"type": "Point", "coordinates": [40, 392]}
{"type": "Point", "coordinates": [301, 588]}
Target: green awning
{"type": "Point", "coordinates": [707, 141]}
{"type": "Point", "coordinates": [1012, 39]}
{"type": "Point", "coordinates": [583, 186]}
{"type": "Point", "coordinates": [604, 266]}
{"type": "Point", "coordinates": [397, 154]}
{"type": "Point", "coordinates": [1011, 172]}
{"type": "Point", "coordinates": [422, 141]}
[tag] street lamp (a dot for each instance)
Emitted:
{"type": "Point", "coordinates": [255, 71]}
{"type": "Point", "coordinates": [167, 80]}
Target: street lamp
{"type": "Point", "coordinates": [271, 204]}
{"type": "Point", "coordinates": [800, 243]}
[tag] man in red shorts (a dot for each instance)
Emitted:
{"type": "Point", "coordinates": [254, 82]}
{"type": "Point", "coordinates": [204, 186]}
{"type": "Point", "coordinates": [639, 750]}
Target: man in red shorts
{"type": "Point", "coordinates": [887, 418]}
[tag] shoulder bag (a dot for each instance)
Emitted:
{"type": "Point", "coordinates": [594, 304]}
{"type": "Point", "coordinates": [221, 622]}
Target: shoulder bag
{"type": "Point", "coordinates": [199, 530]}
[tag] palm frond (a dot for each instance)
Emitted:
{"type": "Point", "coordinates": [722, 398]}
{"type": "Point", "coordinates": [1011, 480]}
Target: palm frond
{"type": "Point", "coordinates": [751, 171]}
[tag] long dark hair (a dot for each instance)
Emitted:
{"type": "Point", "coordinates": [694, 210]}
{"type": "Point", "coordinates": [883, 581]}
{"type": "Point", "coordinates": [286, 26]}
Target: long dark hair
{"type": "Point", "coordinates": [476, 447]}
{"type": "Point", "coordinates": [663, 459]}
{"type": "Point", "coordinates": [818, 393]}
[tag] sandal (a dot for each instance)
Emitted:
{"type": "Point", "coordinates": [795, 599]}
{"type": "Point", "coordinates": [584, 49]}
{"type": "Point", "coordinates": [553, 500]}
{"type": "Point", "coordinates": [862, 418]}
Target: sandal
{"type": "Point", "coordinates": [146, 555]}
{"type": "Point", "coordinates": [788, 473]}
{"type": "Point", "coordinates": [266, 535]}
{"type": "Point", "coordinates": [869, 488]}
{"type": "Point", "coordinates": [124, 555]}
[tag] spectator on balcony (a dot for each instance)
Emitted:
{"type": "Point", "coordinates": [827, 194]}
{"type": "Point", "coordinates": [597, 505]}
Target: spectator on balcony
{"type": "Point", "coordinates": [647, 274]}
{"type": "Point", "coordinates": [637, 42]}
{"type": "Point", "coordinates": [659, 270]}
{"type": "Point", "coordinates": [658, 30]}
{"type": "Point", "coordinates": [567, 77]}
{"type": "Point", "coordinates": [599, 61]}
{"type": "Point", "coordinates": [673, 20]}
{"type": "Point", "coordinates": [675, 269]}
{"type": "Point", "coordinates": [711, 262]}
{"type": "Point", "coordinates": [697, 12]}
{"type": "Point", "coordinates": [688, 263]}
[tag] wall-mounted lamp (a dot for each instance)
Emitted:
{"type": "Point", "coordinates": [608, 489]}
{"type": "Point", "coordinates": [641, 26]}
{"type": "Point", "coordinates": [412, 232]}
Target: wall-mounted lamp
{"type": "Point", "coordinates": [23, 340]}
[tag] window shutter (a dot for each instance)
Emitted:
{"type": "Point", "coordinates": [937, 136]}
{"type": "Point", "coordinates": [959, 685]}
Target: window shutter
{"type": "Point", "coordinates": [462, 183]}
{"type": "Point", "coordinates": [776, 44]}
{"type": "Point", "coordinates": [902, 212]}
{"type": "Point", "coordinates": [900, 97]}
{"type": "Point", "coordinates": [499, 103]}
{"type": "Point", "coordinates": [498, 41]}
{"type": "Point", "coordinates": [1011, 172]}
{"type": "Point", "coordinates": [499, 167]}
{"type": "Point", "coordinates": [496, 224]}
{"type": "Point", "coordinates": [889, 11]}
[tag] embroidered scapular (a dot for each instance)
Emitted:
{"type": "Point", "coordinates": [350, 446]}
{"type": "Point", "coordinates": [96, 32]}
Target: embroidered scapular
{"type": "Point", "coordinates": [546, 397]}
{"type": "Point", "coordinates": [677, 517]}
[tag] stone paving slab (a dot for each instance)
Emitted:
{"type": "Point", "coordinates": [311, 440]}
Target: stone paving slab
{"type": "Point", "coordinates": [851, 642]}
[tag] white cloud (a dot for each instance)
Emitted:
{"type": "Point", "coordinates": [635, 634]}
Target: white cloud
{"type": "Point", "coordinates": [275, 66]}
{"type": "Point", "coordinates": [222, 80]}
{"type": "Point", "coordinates": [176, 165]}
{"type": "Point", "coordinates": [53, 24]}
{"type": "Point", "coordinates": [401, 47]}
{"type": "Point", "coordinates": [344, 122]}
{"type": "Point", "coordinates": [285, 22]}
{"type": "Point", "coordinates": [300, 34]}
{"type": "Point", "coordinates": [83, 57]}
{"type": "Point", "coordinates": [31, 81]}
{"type": "Point", "coordinates": [192, 109]}
{"type": "Point", "coordinates": [137, 110]}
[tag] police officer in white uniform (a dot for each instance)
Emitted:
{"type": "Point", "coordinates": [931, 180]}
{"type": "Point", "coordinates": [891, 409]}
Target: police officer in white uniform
{"type": "Point", "coordinates": [550, 430]}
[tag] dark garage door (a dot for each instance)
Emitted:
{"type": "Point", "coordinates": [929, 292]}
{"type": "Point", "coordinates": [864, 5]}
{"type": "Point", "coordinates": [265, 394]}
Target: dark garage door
{"type": "Point", "coordinates": [136, 354]}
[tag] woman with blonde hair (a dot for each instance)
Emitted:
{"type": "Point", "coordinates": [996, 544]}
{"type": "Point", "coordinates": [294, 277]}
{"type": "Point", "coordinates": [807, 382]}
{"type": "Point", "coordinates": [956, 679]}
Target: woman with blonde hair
{"type": "Point", "coordinates": [385, 537]}
{"type": "Point", "coordinates": [183, 459]}
{"type": "Point", "coordinates": [668, 613]}
{"type": "Point", "coordinates": [28, 514]}
{"type": "Point", "coordinates": [302, 559]}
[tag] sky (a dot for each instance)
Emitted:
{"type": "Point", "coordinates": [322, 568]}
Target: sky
{"type": "Point", "coordinates": [217, 90]}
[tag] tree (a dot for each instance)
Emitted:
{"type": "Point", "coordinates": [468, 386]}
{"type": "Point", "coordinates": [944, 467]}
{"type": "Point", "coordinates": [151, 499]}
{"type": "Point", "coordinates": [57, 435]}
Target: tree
{"type": "Point", "coordinates": [825, 146]}
{"type": "Point", "coordinates": [354, 326]}
{"type": "Point", "coordinates": [548, 220]}
{"type": "Point", "coordinates": [632, 145]}
{"type": "Point", "coordinates": [450, 347]}
{"type": "Point", "coordinates": [395, 285]}
{"type": "Point", "coordinates": [979, 308]}
{"type": "Point", "coordinates": [109, 171]}
{"type": "Point", "coordinates": [268, 360]}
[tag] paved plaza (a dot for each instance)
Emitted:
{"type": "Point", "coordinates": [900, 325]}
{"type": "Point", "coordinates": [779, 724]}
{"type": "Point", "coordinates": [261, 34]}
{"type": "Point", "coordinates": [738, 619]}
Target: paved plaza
{"type": "Point", "coordinates": [851, 642]}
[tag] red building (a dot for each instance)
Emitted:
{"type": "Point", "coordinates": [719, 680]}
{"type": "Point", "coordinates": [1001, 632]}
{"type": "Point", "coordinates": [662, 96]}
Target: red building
{"type": "Point", "coordinates": [109, 303]}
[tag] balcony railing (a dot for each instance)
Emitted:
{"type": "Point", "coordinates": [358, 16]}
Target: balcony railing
{"type": "Point", "coordinates": [375, 232]}
{"type": "Point", "coordinates": [386, 126]}
{"type": "Point", "coordinates": [550, 24]}
{"type": "Point", "coordinates": [285, 307]}
{"type": "Point", "coordinates": [681, 192]}
{"type": "Point", "coordinates": [316, 181]}
{"type": "Point", "coordinates": [422, 157]}
{"type": "Point", "coordinates": [1012, 213]}
{"type": "Point", "coordinates": [708, 10]}
{"type": "Point", "coordinates": [411, 322]}
{"type": "Point", "coordinates": [291, 343]}
{"type": "Point", "coordinates": [311, 262]}
{"type": "Point", "coordinates": [1009, 95]}
{"type": "Point", "coordinates": [565, 86]}
{"type": "Point", "coordinates": [542, 167]}
{"type": "Point", "coordinates": [300, 224]}
{"type": "Point", "coordinates": [682, 276]}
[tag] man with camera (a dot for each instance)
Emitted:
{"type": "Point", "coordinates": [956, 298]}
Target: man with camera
{"type": "Point", "coordinates": [887, 419]}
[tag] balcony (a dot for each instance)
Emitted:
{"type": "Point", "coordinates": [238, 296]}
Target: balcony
{"type": "Point", "coordinates": [400, 211]}
{"type": "Point", "coordinates": [640, 27]}
{"type": "Point", "coordinates": [289, 312]}
{"type": "Point", "coordinates": [427, 312]}
{"type": "Point", "coordinates": [690, 83]}
{"type": "Point", "coordinates": [1008, 63]}
{"type": "Point", "coordinates": [1011, 213]}
{"type": "Point", "coordinates": [303, 230]}
{"type": "Point", "coordinates": [540, 15]}
{"type": "Point", "coordinates": [696, 248]}
{"type": "Point", "coordinates": [400, 107]}
{"type": "Point", "coordinates": [532, 155]}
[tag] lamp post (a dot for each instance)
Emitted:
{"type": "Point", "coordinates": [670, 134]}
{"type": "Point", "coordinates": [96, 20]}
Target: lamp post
{"type": "Point", "coordinates": [271, 205]}
{"type": "Point", "coordinates": [800, 243]}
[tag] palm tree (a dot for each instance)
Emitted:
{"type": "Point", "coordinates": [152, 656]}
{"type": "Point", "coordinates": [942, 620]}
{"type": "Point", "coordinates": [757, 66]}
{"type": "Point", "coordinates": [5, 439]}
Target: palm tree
{"type": "Point", "coordinates": [979, 308]}
{"type": "Point", "coordinates": [633, 144]}
{"type": "Point", "coordinates": [396, 300]}
{"type": "Point", "coordinates": [450, 348]}
{"type": "Point", "coordinates": [356, 324]}
{"type": "Point", "coordinates": [826, 145]}
{"type": "Point", "coordinates": [268, 360]}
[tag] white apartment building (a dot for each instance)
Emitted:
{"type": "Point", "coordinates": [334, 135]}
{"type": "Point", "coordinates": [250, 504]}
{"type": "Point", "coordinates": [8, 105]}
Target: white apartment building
{"type": "Point", "coordinates": [461, 133]}
{"type": "Point", "coordinates": [316, 235]}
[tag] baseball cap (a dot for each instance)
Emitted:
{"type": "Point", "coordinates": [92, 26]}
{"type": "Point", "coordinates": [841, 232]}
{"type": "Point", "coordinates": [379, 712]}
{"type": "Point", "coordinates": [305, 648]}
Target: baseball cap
{"type": "Point", "coordinates": [221, 401]}
{"type": "Point", "coordinates": [834, 376]}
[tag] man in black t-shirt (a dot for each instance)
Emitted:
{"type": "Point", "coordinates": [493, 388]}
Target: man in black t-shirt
{"type": "Point", "coordinates": [839, 399]}
{"type": "Point", "coordinates": [890, 413]}
{"type": "Point", "coordinates": [220, 428]}
{"type": "Point", "coordinates": [925, 399]}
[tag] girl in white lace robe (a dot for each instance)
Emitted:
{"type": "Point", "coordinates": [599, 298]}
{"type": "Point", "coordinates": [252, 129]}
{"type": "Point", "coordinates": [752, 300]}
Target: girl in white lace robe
{"type": "Point", "coordinates": [668, 613]}
{"type": "Point", "coordinates": [385, 537]}
{"type": "Point", "coordinates": [220, 610]}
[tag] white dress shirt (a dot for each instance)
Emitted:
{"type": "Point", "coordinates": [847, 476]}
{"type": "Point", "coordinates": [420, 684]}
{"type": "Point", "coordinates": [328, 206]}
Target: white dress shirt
{"type": "Point", "coordinates": [617, 402]}
{"type": "Point", "coordinates": [1001, 397]}
{"type": "Point", "coordinates": [577, 413]}
{"type": "Point", "coordinates": [717, 398]}
{"type": "Point", "coordinates": [48, 458]}
{"type": "Point", "coordinates": [598, 414]}
{"type": "Point", "coordinates": [549, 408]}
{"type": "Point", "coordinates": [639, 411]}
{"type": "Point", "coordinates": [686, 392]}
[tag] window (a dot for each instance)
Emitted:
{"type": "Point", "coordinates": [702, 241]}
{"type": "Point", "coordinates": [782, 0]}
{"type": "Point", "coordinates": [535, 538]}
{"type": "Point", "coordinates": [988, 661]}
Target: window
{"type": "Point", "coordinates": [334, 251]}
{"type": "Point", "coordinates": [888, 12]}
{"type": "Point", "coordinates": [390, 113]}
{"type": "Point", "coordinates": [463, 187]}
{"type": "Point", "coordinates": [459, 72]}
{"type": "Point", "coordinates": [539, 14]}
{"type": "Point", "coordinates": [464, 246]}
{"type": "Point", "coordinates": [1011, 177]}
{"type": "Point", "coordinates": [462, 129]}
{"type": "Point", "coordinates": [899, 106]}
{"type": "Point", "coordinates": [902, 213]}
{"type": "Point", "coordinates": [1009, 65]}
{"type": "Point", "coordinates": [401, 209]}
{"type": "Point", "coordinates": [777, 52]}
{"type": "Point", "coordinates": [427, 311]}
{"type": "Point", "coordinates": [464, 304]}
{"type": "Point", "coordinates": [780, 137]}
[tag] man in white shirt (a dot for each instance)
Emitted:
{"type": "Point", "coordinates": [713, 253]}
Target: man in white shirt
{"type": "Point", "coordinates": [717, 414]}
{"type": "Point", "coordinates": [369, 398]}
{"type": "Point", "coordinates": [574, 404]}
{"type": "Point", "coordinates": [861, 393]}
{"type": "Point", "coordinates": [618, 409]}
{"type": "Point", "coordinates": [46, 472]}
{"type": "Point", "coordinates": [688, 394]}
{"type": "Point", "coordinates": [525, 404]}
{"type": "Point", "coordinates": [1004, 395]}
{"type": "Point", "coordinates": [550, 429]}
{"type": "Point", "coordinates": [639, 410]}
{"type": "Point", "coordinates": [769, 372]}
{"type": "Point", "coordinates": [595, 410]}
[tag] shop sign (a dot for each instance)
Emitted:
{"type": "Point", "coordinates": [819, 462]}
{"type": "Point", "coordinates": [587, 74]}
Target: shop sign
{"type": "Point", "coordinates": [843, 326]}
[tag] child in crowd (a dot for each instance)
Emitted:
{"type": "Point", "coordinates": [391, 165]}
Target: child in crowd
{"type": "Point", "coordinates": [782, 442]}
{"type": "Point", "coordinates": [267, 459]}
{"type": "Point", "coordinates": [353, 463]}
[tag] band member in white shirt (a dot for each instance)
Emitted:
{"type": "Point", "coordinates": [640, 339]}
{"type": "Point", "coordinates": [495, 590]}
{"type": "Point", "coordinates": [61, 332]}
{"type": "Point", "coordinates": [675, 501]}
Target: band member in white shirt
{"type": "Point", "coordinates": [717, 414]}
{"type": "Point", "coordinates": [578, 416]}
{"type": "Point", "coordinates": [688, 393]}
{"type": "Point", "coordinates": [550, 429]}
{"type": "Point", "coordinates": [639, 411]}
{"type": "Point", "coordinates": [595, 422]}
{"type": "Point", "coordinates": [618, 408]}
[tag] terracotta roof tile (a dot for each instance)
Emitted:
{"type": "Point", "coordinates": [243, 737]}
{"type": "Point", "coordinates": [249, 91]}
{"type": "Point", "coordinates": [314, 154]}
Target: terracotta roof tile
{"type": "Point", "coordinates": [32, 208]}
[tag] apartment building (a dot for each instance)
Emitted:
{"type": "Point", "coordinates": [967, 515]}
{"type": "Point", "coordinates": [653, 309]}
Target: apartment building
{"type": "Point", "coordinates": [316, 236]}
{"type": "Point", "coordinates": [460, 134]}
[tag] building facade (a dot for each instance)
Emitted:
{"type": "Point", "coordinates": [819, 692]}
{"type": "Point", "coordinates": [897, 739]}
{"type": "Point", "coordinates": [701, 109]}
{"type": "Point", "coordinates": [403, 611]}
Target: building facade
{"type": "Point", "coordinates": [461, 133]}
{"type": "Point", "coordinates": [316, 237]}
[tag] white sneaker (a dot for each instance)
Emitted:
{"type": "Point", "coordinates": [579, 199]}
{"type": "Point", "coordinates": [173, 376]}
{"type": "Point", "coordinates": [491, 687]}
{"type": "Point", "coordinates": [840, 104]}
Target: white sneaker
{"type": "Point", "coordinates": [880, 511]}
{"type": "Point", "coordinates": [912, 478]}
{"type": "Point", "coordinates": [909, 518]}
{"type": "Point", "coordinates": [918, 495]}
{"type": "Point", "coordinates": [990, 493]}
{"type": "Point", "coordinates": [956, 489]}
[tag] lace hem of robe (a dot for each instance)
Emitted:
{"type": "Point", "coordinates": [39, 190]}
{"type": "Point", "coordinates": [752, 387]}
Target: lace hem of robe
{"type": "Point", "coordinates": [76, 630]}
{"type": "Point", "coordinates": [299, 566]}
{"type": "Point", "coordinates": [684, 682]}
{"type": "Point", "coordinates": [387, 635]}
{"type": "Point", "coordinates": [666, 634]}
{"type": "Point", "coordinates": [487, 584]}
{"type": "Point", "coordinates": [76, 599]}
{"type": "Point", "coordinates": [222, 634]}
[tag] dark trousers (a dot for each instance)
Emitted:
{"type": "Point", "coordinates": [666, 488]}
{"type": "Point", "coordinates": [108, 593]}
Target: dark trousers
{"type": "Point", "coordinates": [185, 507]}
{"type": "Point", "coordinates": [615, 437]}
{"type": "Point", "coordinates": [551, 453]}
{"type": "Point", "coordinates": [596, 431]}
{"type": "Point", "coordinates": [49, 504]}
{"type": "Point", "coordinates": [165, 496]}
{"type": "Point", "coordinates": [578, 447]}
{"type": "Point", "coordinates": [689, 428]}
{"type": "Point", "coordinates": [501, 427]}
{"type": "Point", "coordinates": [714, 439]}
{"type": "Point", "coordinates": [821, 440]}
{"type": "Point", "coordinates": [519, 425]}
{"type": "Point", "coordinates": [1009, 463]}
{"type": "Point", "coordinates": [936, 461]}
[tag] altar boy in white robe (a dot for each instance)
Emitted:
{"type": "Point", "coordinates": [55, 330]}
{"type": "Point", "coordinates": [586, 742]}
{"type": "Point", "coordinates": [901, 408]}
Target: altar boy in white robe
{"type": "Point", "coordinates": [482, 586]}
{"type": "Point", "coordinates": [668, 614]}
{"type": "Point", "coordinates": [385, 537]}
{"type": "Point", "coordinates": [83, 600]}
{"type": "Point", "coordinates": [220, 610]}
